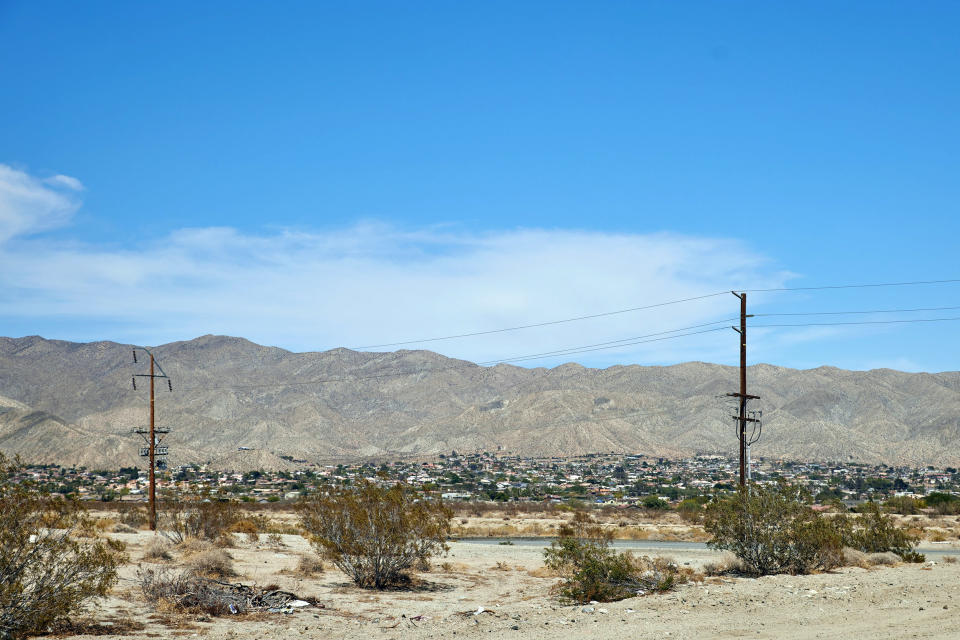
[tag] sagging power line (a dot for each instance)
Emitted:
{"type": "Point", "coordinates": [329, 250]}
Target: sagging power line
{"type": "Point", "coordinates": [653, 306]}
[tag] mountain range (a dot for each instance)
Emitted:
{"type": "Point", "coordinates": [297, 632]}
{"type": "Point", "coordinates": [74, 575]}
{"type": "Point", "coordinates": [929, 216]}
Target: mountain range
{"type": "Point", "coordinates": [240, 405]}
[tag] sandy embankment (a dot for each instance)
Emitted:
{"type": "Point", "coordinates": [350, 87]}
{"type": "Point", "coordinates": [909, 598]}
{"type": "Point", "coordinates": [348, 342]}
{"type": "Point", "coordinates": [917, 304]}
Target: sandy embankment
{"type": "Point", "coordinates": [889, 602]}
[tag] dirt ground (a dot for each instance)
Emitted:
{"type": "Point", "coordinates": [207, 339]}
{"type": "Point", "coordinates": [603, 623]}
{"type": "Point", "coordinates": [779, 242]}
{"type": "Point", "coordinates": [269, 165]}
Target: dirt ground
{"type": "Point", "coordinates": [481, 588]}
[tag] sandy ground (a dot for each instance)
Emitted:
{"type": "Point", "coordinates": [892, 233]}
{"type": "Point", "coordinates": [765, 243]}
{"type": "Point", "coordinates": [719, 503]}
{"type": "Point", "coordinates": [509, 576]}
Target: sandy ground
{"type": "Point", "coordinates": [904, 601]}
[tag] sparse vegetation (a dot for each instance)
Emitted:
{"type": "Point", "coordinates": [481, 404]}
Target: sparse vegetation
{"type": "Point", "coordinates": [943, 503]}
{"type": "Point", "coordinates": [199, 517]}
{"type": "Point", "coordinates": [593, 571]}
{"type": "Point", "coordinates": [157, 551]}
{"type": "Point", "coordinates": [211, 563]}
{"type": "Point", "coordinates": [52, 558]}
{"type": "Point", "coordinates": [373, 534]}
{"type": "Point", "coordinates": [875, 532]}
{"type": "Point", "coordinates": [773, 530]}
{"type": "Point", "coordinates": [309, 566]}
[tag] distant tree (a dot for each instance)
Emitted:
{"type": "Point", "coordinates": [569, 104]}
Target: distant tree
{"type": "Point", "coordinates": [655, 503]}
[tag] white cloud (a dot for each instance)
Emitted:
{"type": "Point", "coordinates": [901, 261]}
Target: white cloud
{"type": "Point", "coordinates": [67, 182]}
{"type": "Point", "coordinates": [374, 283]}
{"type": "Point", "coordinates": [29, 205]}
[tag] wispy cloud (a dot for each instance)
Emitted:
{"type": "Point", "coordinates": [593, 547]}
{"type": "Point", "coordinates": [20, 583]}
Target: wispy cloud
{"type": "Point", "coordinates": [374, 283]}
{"type": "Point", "coordinates": [29, 204]}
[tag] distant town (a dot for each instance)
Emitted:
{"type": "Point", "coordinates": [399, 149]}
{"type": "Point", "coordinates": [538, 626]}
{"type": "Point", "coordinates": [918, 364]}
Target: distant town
{"type": "Point", "coordinates": [616, 480]}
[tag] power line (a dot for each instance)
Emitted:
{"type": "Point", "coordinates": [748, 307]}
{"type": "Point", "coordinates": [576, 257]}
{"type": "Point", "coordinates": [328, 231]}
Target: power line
{"type": "Point", "coordinates": [828, 324]}
{"type": "Point", "coordinates": [602, 346]}
{"type": "Point", "coordinates": [841, 313]}
{"type": "Point", "coordinates": [641, 308]}
{"type": "Point", "coordinates": [855, 286]}
{"type": "Point", "coordinates": [612, 343]}
{"type": "Point", "coordinates": [541, 324]}
{"type": "Point", "coordinates": [537, 356]}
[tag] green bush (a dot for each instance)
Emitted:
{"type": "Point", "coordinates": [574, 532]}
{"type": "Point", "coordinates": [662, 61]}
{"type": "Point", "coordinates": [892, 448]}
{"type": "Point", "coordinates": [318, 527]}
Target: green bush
{"type": "Point", "coordinates": [945, 504]}
{"type": "Point", "coordinates": [375, 535]}
{"type": "Point", "coordinates": [903, 505]}
{"type": "Point", "coordinates": [875, 532]}
{"type": "Point", "coordinates": [772, 529]}
{"type": "Point", "coordinates": [593, 571]}
{"type": "Point", "coordinates": [655, 503]}
{"type": "Point", "coordinates": [51, 558]}
{"type": "Point", "coordinates": [691, 510]}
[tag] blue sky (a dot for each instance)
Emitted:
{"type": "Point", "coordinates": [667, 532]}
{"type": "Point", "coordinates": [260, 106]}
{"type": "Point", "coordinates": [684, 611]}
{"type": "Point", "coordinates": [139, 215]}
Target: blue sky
{"type": "Point", "coordinates": [312, 175]}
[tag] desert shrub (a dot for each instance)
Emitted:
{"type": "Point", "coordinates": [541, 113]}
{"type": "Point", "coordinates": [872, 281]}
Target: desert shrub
{"type": "Point", "coordinates": [157, 551]}
{"type": "Point", "coordinates": [132, 515]}
{"type": "Point", "coordinates": [122, 528]}
{"type": "Point", "coordinates": [192, 546]}
{"type": "Point", "coordinates": [903, 505]}
{"type": "Point", "coordinates": [875, 532]}
{"type": "Point", "coordinates": [945, 504]}
{"type": "Point", "coordinates": [728, 564]}
{"type": "Point", "coordinates": [773, 530]}
{"type": "Point", "coordinates": [374, 534]}
{"type": "Point", "coordinates": [212, 563]}
{"type": "Point", "coordinates": [654, 503]}
{"type": "Point", "coordinates": [309, 565]}
{"type": "Point", "coordinates": [593, 571]}
{"type": "Point", "coordinates": [691, 510]}
{"type": "Point", "coordinates": [247, 527]}
{"type": "Point", "coordinates": [52, 558]}
{"type": "Point", "coordinates": [883, 558]}
{"type": "Point", "coordinates": [198, 517]}
{"type": "Point", "coordinates": [275, 541]}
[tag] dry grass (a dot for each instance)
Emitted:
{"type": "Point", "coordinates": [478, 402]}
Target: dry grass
{"type": "Point", "coordinates": [454, 567]}
{"type": "Point", "coordinates": [950, 559]}
{"type": "Point", "coordinates": [104, 525]}
{"type": "Point", "coordinates": [886, 558]}
{"type": "Point", "coordinates": [157, 551]}
{"type": "Point", "coordinates": [855, 558]}
{"type": "Point", "coordinates": [122, 528]}
{"type": "Point", "coordinates": [621, 529]}
{"type": "Point", "coordinates": [191, 546]}
{"type": "Point", "coordinates": [308, 566]}
{"type": "Point", "coordinates": [248, 527]}
{"type": "Point", "coordinates": [214, 563]}
{"type": "Point", "coordinates": [728, 563]}
{"type": "Point", "coordinates": [119, 625]}
{"type": "Point", "coordinates": [543, 572]}
{"type": "Point", "coordinates": [275, 541]}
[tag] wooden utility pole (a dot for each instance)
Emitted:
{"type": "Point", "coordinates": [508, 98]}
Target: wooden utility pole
{"type": "Point", "coordinates": [742, 396]}
{"type": "Point", "coordinates": [151, 450]}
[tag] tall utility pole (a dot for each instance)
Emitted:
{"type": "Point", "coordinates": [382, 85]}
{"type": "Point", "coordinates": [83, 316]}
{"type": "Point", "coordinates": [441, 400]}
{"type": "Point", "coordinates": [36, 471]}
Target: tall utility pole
{"type": "Point", "coordinates": [742, 396]}
{"type": "Point", "coordinates": [152, 450]}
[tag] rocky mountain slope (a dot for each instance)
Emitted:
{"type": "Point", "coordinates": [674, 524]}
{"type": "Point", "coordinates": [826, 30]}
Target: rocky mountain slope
{"type": "Point", "coordinates": [73, 403]}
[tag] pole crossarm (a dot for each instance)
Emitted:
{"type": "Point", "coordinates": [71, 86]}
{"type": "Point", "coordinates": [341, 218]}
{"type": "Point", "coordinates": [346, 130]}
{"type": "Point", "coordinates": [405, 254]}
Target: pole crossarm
{"type": "Point", "coordinates": [741, 417]}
